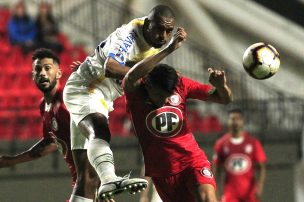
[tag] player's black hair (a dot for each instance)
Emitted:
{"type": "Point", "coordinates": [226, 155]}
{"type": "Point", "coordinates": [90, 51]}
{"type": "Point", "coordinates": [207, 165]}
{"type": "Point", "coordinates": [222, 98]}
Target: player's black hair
{"type": "Point", "coordinates": [42, 53]}
{"type": "Point", "coordinates": [162, 11]}
{"type": "Point", "coordinates": [236, 110]}
{"type": "Point", "coordinates": [165, 77]}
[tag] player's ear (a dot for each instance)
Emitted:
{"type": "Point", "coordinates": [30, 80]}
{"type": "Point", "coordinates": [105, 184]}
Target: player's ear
{"type": "Point", "coordinates": [58, 74]}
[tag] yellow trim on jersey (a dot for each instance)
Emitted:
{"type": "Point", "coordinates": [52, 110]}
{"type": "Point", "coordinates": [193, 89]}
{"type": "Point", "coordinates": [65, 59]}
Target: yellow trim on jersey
{"type": "Point", "coordinates": [92, 86]}
{"type": "Point", "coordinates": [104, 104]}
{"type": "Point", "coordinates": [145, 54]}
{"type": "Point", "coordinates": [138, 22]}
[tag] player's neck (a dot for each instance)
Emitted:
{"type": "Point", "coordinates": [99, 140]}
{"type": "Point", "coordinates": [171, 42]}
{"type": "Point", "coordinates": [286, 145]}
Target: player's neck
{"type": "Point", "coordinates": [237, 134]}
{"type": "Point", "coordinates": [48, 97]}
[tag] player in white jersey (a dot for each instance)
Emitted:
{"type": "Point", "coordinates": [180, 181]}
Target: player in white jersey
{"type": "Point", "coordinates": [90, 91]}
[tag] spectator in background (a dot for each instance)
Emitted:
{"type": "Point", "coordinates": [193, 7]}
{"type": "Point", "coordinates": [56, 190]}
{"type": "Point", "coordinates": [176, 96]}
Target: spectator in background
{"type": "Point", "coordinates": [47, 29]}
{"type": "Point", "coordinates": [21, 29]}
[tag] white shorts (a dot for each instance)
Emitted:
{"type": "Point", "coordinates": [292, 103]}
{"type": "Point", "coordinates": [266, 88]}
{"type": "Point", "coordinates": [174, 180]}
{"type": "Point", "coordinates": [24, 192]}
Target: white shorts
{"type": "Point", "coordinates": [78, 140]}
{"type": "Point", "coordinates": [82, 99]}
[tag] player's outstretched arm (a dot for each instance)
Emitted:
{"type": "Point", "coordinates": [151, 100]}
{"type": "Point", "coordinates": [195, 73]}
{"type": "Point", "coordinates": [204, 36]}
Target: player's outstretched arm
{"type": "Point", "coordinates": [42, 148]}
{"type": "Point", "coordinates": [222, 93]}
{"type": "Point", "coordinates": [142, 68]}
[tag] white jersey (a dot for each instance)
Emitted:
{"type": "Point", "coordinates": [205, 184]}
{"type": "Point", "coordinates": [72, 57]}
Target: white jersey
{"type": "Point", "coordinates": [125, 44]}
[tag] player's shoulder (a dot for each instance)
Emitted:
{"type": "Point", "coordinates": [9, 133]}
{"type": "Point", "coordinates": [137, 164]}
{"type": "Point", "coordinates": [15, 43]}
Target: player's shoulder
{"type": "Point", "coordinates": [137, 22]}
{"type": "Point", "coordinates": [250, 138]}
{"type": "Point", "coordinates": [224, 139]}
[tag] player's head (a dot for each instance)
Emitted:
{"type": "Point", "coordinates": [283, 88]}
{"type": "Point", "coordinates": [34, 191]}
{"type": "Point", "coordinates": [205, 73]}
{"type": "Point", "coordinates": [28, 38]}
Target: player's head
{"type": "Point", "coordinates": [161, 83]}
{"type": "Point", "coordinates": [235, 120]}
{"type": "Point", "coordinates": [46, 71]}
{"type": "Point", "coordinates": [159, 25]}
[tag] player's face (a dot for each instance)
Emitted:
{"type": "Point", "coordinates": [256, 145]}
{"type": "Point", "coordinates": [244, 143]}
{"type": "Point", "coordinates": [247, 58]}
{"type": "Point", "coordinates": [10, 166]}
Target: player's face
{"type": "Point", "coordinates": [46, 74]}
{"type": "Point", "coordinates": [158, 96]}
{"type": "Point", "coordinates": [160, 31]}
{"type": "Point", "coordinates": [235, 122]}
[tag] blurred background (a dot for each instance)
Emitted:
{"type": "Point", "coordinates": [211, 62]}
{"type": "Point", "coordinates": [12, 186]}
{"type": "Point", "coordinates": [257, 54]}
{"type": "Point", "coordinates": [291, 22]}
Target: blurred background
{"type": "Point", "coordinates": [219, 32]}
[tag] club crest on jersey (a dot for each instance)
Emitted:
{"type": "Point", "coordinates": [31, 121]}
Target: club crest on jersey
{"type": "Point", "coordinates": [206, 172]}
{"type": "Point", "coordinates": [165, 122]}
{"type": "Point", "coordinates": [54, 124]}
{"type": "Point", "coordinates": [248, 148]}
{"type": "Point", "coordinates": [175, 99]}
{"type": "Point", "coordinates": [238, 164]}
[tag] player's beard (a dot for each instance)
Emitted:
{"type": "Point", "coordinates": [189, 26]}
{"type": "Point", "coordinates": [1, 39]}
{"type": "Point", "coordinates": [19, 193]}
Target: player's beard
{"type": "Point", "coordinates": [49, 88]}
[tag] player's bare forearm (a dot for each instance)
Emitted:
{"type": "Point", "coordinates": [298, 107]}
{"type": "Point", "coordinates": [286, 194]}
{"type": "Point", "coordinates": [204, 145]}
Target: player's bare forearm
{"type": "Point", "coordinates": [114, 69]}
{"type": "Point", "coordinates": [223, 94]}
{"type": "Point", "coordinates": [42, 148]}
{"type": "Point", "coordinates": [260, 179]}
{"type": "Point", "coordinates": [143, 67]}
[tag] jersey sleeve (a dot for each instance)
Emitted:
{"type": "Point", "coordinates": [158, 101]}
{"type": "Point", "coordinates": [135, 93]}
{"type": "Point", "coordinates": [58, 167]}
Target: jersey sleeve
{"type": "Point", "coordinates": [259, 153]}
{"type": "Point", "coordinates": [217, 158]}
{"type": "Point", "coordinates": [196, 90]}
{"type": "Point", "coordinates": [119, 43]}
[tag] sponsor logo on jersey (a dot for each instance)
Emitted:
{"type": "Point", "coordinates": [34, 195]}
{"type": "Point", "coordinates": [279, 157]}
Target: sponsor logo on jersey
{"type": "Point", "coordinates": [165, 121]}
{"type": "Point", "coordinates": [54, 124]}
{"type": "Point", "coordinates": [175, 99]}
{"type": "Point", "coordinates": [238, 164]}
{"type": "Point", "coordinates": [206, 172]}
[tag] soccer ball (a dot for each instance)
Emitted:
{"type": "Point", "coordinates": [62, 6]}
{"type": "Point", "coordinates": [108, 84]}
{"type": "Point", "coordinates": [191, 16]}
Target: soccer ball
{"type": "Point", "coordinates": [261, 60]}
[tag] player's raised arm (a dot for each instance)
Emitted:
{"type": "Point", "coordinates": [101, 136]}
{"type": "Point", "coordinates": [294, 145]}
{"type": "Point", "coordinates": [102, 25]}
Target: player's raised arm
{"type": "Point", "coordinates": [222, 93]}
{"type": "Point", "coordinates": [142, 68]}
{"type": "Point", "coordinates": [114, 69]}
{"type": "Point", "coordinates": [44, 147]}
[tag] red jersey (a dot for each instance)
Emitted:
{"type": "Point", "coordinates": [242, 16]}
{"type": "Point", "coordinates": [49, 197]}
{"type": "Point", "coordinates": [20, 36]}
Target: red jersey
{"type": "Point", "coordinates": [238, 160]}
{"type": "Point", "coordinates": [56, 120]}
{"type": "Point", "coordinates": [167, 143]}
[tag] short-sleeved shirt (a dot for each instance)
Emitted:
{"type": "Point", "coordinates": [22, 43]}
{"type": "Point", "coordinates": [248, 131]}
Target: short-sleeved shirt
{"type": "Point", "coordinates": [125, 44]}
{"type": "Point", "coordinates": [56, 124]}
{"type": "Point", "coordinates": [238, 160]}
{"type": "Point", "coordinates": [166, 140]}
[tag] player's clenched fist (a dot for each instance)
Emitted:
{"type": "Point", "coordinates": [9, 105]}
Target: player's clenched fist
{"type": "Point", "coordinates": [217, 77]}
{"type": "Point", "coordinates": [177, 39]}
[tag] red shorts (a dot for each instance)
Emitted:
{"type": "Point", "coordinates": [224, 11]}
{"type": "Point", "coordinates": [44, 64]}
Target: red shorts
{"type": "Point", "coordinates": [180, 187]}
{"type": "Point", "coordinates": [230, 197]}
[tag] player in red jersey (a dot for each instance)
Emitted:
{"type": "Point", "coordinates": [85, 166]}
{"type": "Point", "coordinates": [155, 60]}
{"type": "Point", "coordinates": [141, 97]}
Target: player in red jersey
{"type": "Point", "coordinates": [56, 123]}
{"type": "Point", "coordinates": [240, 155]}
{"type": "Point", "coordinates": [156, 100]}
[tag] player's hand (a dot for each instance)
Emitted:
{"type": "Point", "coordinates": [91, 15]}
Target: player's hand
{"type": "Point", "coordinates": [217, 78]}
{"type": "Point", "coordinates": [6, 161]}
{"type": "Point", "coordinates": [177, 39]}
{"type": "Point", "coordinates": [75, 66]}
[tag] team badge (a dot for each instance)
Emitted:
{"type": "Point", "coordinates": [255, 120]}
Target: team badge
{"type": "Point", "coordinates": [165, 121]}
{"type": "Point", "coordinates": [54, 124]}
{"type": "Point", "coordinates": [238, 164]}
{"type": "Point", "coordinates": [226, 150]}
{"type": "Point", "coordinates": [206, 172]}
{"type": "Point", "coordinates": [248, 148]}
{"type": "Point", "coordinates": [175, 99]}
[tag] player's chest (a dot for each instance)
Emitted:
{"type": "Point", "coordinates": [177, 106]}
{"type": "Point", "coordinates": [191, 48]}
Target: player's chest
{"type": "Point", "coordinates": [238, 159]}
{"type": "Point", "coordinates": [165, 121]}
{"type": "Point", "coordinates": [50, 118]}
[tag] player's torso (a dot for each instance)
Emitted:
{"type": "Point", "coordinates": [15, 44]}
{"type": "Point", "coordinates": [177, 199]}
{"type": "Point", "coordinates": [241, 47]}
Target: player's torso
{"type": "Point", "coordinates": [126, 44]}
{"type": "Point", "coordinates": [166, 140]}
{"type": "Point", "coordinates": [238, 158]}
